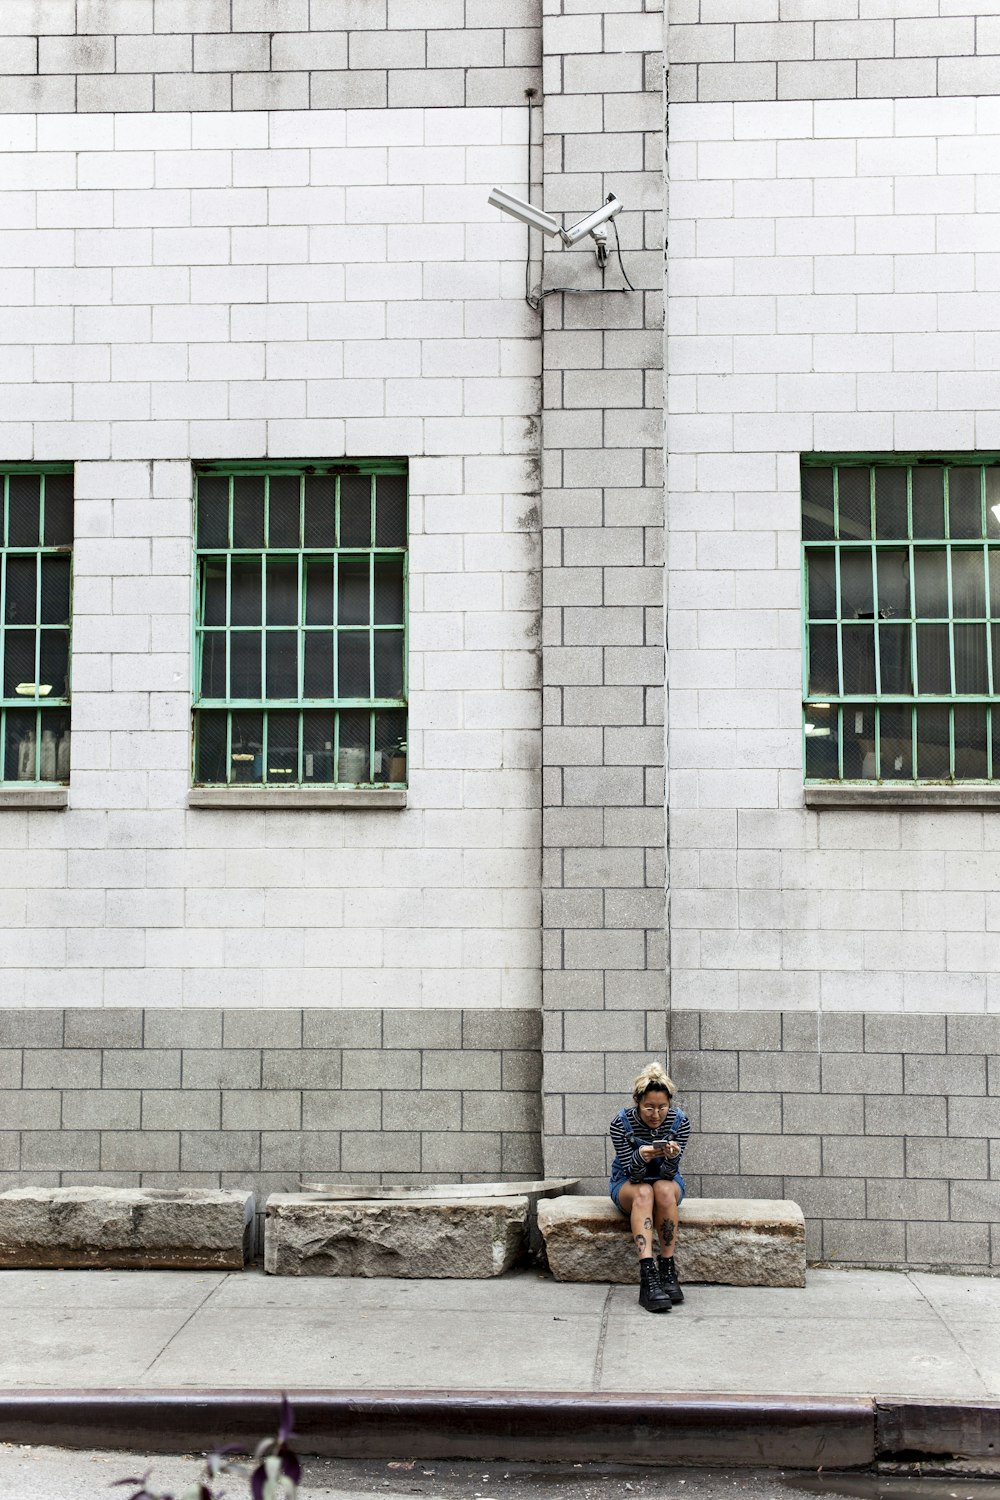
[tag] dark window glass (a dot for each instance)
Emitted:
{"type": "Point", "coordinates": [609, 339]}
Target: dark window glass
{"type": "Point", "coordinates": [968, 583]}
{"type": "Point", "coordinates": [213, 511]}
{"type": "Point", "coordinates": [213, 594]}
{"type": "Point", "coordinates": [282, 748]}
{"type": "Point", "coordinates": [931, 570]}
{"type": "Point", "coordinates": [971, 666]}
{"type": "Point", "coordinates": [390, 509]}
{"type": "Point", "coordinates": [55, 591]}
{"type": "Point", "coordinates": [283, 510]}
{"type": "Point", "coordinates": [355, 510]}
{"type": "Point", "coordinates": [353, 591]}
{"type": "Point", "coordinates": [244, 667]}
{"type": "Point", "coordinates": [58, 510]}
{"type": "Point", "coordinates": [933, 746]}
{"type": "Point", "coordinates": [823, 659]}
{"type": "Point", "coordinates": [54, 663]}
{"type": "Point", "coordinates": [19, 605]}
{"type": "Point", "coordinates": [245, 591]}
{"type": "Point", "coordinates": [211, 766]}
{"type": "Point", "coordinates": [893, 582]}
{"type": "Point", "coordinates": [822, 570]}
{"type": "Point", "coordinates": [320, 510]}
{"type": "Point", "coordinates": [389, 664]}
{"type": "Point", "coordinates": [389, 592]}
{"type": "Point", "coordinates": [859, 659]}
{"type": "Point", "coordinates": [248, 510]}
{"type": "Point", "coordinates": [970, 742]}
{"type": "Point", "coordinates": [854, 504]}
{"type": "Point", "coordinates": [894, 658]}
{"type": "Point", "coordinates": [24, 510]}
{"type": "Point", "coordinates": [319, 592]}
{"type": "Point", "coordinates": [19, 663]}
{"type": "Point", "coordinates": [895, 743]}
{"type": "Point", "coordinates": [928, 502]}
{"type": "Point", "coordinates": [353, 672]}
{"type": "Point", "coordinates": [318, 674]}
{"type": "Point", "coordinates": [857, 601]}
{"type": "Point", "coordinates": [890, 504]}
{"type": "Point", "coordinates": [933, 659]}
{"type": "Point", "coordinates": [282, 591]}
{"type": "Point", "coordinates": [282, 664]}
{"type": "Point", "coordinates": [964, 502]}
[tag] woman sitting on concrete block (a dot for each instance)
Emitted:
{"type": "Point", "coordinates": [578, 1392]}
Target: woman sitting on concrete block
{"type": "Point", "coordinates": [646, 1184]}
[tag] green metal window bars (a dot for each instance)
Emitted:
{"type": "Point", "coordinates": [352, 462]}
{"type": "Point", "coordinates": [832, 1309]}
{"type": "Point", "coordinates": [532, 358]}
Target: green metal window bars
{"type": "Point", "coordinates": [300, 625]}
{"type": "Point", "coordinates": [36, 545]}
{"type": "Point", "coordinates": [901, 651]}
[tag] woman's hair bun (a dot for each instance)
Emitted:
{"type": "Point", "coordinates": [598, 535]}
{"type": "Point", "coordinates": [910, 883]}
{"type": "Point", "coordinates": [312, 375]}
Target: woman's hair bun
{"type": "Point", "coordinates": [653, 1078]}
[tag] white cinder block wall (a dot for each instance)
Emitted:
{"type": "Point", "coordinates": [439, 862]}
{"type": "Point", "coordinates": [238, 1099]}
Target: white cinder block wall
{"type": "Point", "coordinates": [179, 286]}
{"type": "Point", "coordinates": [834, 286]}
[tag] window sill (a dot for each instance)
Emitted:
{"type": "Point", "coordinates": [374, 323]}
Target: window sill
{"type": "Point", "coordinates": [40, 798]}
{"type": "Point", "coordinates": [902, 796]}
{"type": "Point", "coordinates": [298, 799]}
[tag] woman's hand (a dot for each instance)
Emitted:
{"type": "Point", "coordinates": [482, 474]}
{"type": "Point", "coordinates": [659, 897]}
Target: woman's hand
{"type": "Point", "coordinates": [648, 1152]}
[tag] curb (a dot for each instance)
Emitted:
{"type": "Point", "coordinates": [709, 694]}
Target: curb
{"type": "Point", "coordinates": [768, 1431]}
{"type": "Point", "coordinates": [740, 1431]}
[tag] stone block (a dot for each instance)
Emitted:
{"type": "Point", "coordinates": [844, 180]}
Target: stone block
{"type": "Point", "coordinates": [104, 1227]}
{"type": "Point", "coordinates": [183, 1028]}
{"type": "Point", "coordinates": [469, 1238]}
{"type": "Point", "coordinates": [341, 1028]}
{"type": "Point", "coordinates": [894, 1033]}
{"type": "Point", "coordinates": [749, 1031]}
{"type": "Point", "coordinates": [415, 1028]}
{"type": "Point", "coordinates": [973, 1034]}
{"type": "Point", "coordinates": [103, 1028]}
{"type": "Point", "coordinates": [31, 1028]}
{"type": "Point", "coordinates": [944, 1075]}
{"type": "Point", "coordinates": [729, 1242]}
{"type": "Point", "coordinates": [520, 1029]}
{"type": "Point", "coordinates": [262, 1028]}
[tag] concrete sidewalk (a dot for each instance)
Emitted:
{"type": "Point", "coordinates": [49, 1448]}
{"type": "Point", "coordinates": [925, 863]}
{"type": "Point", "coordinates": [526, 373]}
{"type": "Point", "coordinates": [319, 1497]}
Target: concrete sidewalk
{"type": "Point", "coordinates": [848, 1333]}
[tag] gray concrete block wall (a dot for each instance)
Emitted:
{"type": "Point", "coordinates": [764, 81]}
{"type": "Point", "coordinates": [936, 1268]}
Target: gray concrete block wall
{"type": "Point", "coordinates": [602, 582]}
{"type": "Point", "coordinates": [227, 1098]}
{"type": "Point", "coordinates": [65, 56]}
{"type": "Point", "coordinates": [884, 1128]}
{"type": "Point", "coordinates": [721, 51]}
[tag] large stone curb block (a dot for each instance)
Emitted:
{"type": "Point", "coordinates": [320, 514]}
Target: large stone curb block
{"type": "Point", "coordinates": [951, 1429]}
{"type": "Point", "coordinates": [795, 1432]}
{"type": "Point", "coordinates": [195, 1229]}
{"type": "Point", "coordinates": [469, 1238]}
{"type": "Point", "coordinates": [729, 1242]}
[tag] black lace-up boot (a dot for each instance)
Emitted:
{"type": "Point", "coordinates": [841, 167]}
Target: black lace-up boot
{"type": "Point", "coordinates": [651, 1295]}
{"type": "Point", "coordinates": [667, 1273]}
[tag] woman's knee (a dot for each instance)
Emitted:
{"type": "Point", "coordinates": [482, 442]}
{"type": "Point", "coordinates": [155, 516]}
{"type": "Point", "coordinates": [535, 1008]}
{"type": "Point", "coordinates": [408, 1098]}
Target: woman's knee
{"type": "Point", "coordinates": [667, 1194]}
{"type": "Point", "coordinates": [644, 1195]}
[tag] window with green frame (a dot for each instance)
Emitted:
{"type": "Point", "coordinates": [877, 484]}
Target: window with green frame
{"type": "Point", "coordinates": [901, 587]}
{"type": "Point", "coordinates": [300, 624]}
{"type": "Point", "coordinates": [36, 546]}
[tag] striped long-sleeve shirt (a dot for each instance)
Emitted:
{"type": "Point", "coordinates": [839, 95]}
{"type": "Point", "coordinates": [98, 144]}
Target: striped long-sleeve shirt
{"type": "Point", "coordinates": [629, 1132]}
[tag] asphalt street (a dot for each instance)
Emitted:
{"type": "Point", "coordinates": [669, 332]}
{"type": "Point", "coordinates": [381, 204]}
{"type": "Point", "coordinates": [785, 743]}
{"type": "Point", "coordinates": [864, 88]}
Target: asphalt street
{"type": "Point", "coordinates": [51, 1474]}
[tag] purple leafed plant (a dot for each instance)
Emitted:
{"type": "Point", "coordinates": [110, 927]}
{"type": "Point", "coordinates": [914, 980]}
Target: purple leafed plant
{"type": "Point", "coordinates": [274, 1472]}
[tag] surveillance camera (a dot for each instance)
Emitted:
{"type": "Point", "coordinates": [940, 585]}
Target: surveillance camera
{"type": "Point", "coordinates": [593, 221]}
{"type": "Point", "coordinates": [526, 212]}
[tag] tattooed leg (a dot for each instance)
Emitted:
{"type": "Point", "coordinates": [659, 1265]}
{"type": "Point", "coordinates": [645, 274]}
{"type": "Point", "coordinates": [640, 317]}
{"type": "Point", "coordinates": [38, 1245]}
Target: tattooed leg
{"type": "Point", "coordinates": [666, 1232]}
{"type": "Point", "coordinates": [637, 1200]}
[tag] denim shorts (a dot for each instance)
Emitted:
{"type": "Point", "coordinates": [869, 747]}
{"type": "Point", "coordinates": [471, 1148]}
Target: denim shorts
{"type": "Point", "coordinates": [616, 1187]}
